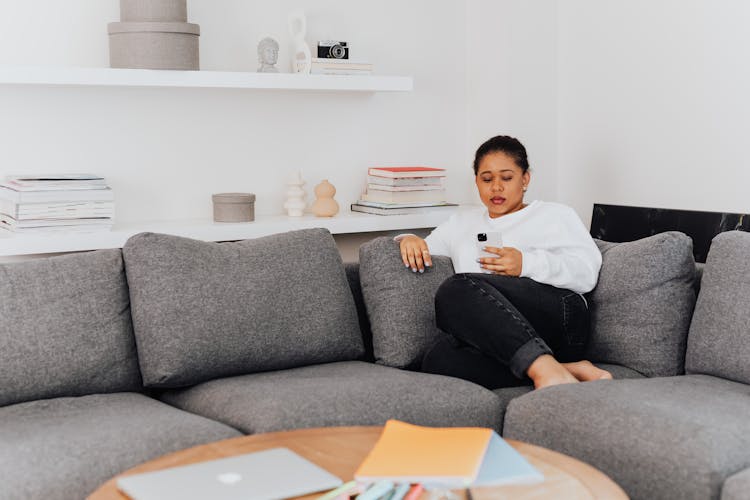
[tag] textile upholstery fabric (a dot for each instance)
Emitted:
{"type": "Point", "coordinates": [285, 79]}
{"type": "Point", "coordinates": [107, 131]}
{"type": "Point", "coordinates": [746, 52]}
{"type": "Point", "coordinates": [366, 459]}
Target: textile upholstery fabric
{"type": "Point", "coordinates": [642, 304]}
{"type": "Point", "coordinates": [343, 393]}
{"type": "Point", "coordinates": [65, 448]}
{"type": "Point", "coordinates": [400, 303]}
{"type": "Point", "coordinates": [507, 394]}
{"type": "Point", "coordinates": [719, 341]}
{"type": "Point", "coordinates": [207, 310]}
{"type": "Point", "coordinates": [663, 437]}
{"type": "Point", "coordinates": [65, 328]}
{"type": "Point", "coordinates": [352, 275]}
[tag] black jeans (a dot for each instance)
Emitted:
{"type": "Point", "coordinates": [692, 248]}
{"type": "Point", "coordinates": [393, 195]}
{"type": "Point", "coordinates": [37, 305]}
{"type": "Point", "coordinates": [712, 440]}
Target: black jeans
{"type": "Point", "coordinates": [497, 326]}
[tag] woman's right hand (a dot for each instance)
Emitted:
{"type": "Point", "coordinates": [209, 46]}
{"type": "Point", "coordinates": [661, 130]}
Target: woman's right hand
{"type": "Point", "coordinates": [415, 254]}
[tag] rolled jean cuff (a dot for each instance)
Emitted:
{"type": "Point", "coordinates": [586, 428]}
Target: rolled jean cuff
{"type": "Point", "coordinates": [527, 354]}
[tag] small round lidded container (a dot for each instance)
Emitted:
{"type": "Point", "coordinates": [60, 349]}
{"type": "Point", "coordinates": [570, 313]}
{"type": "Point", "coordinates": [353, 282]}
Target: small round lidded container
{"type": "Point", "coordinates": [234, 207]}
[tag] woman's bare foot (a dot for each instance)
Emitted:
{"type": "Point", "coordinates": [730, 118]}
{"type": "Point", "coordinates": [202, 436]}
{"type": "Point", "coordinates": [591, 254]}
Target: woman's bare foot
{"type": "Point", "coordinates": [546, 371]}
{"type": "Point", "coordinates": [585, 371]}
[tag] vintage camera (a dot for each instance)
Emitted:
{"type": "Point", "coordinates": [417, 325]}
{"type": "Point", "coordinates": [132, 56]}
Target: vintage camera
{"type": "Point", "coordinates": [331, 49]}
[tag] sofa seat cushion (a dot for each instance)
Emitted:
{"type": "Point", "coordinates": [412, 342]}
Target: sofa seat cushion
{"type": "Point", "coordinates": [204, 310]}
{"type": "Point", "coordinates": [671, 437]}
{"type": "Point", "coordinates": [344, 393]}
{"type": "Point", "coordinates": [65, 448]}
{"type": "Point", "coordinates": [506, 394]}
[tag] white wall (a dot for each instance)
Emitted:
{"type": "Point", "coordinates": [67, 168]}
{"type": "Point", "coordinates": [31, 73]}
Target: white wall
{"type": "Point", "coordinates": [654, 103]}
{"type": "Point", "coordinates": [166, 150]}
{"type": "Point", "coordinates": [512, 82]}
{"type": "Point", "coordinates": [635, 103]}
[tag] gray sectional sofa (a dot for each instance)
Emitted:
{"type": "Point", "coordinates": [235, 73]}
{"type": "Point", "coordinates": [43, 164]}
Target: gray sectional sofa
{"type": "Point", "coordinates": [685, 436]}
{"type": "Point", "coordinates": [111, 358]}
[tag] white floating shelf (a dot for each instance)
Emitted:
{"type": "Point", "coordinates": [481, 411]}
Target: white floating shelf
{"type": "Point", "coordinates": [10, 75]}
{"type": "Point", "coordinates": [347, 222]}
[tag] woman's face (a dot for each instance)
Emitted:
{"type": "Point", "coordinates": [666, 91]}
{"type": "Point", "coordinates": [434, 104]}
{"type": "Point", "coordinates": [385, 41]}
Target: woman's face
{"type": "Point", "coordinates": [501, 183]}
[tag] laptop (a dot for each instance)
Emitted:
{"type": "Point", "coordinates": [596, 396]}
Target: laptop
{"type": "Point", "coordinates": [269, 474]}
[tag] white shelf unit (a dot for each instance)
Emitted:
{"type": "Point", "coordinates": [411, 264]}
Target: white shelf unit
{"type": "Point", "coordinates": [20, 75]}
{"type": "Point", "coordinates": [13, 244]}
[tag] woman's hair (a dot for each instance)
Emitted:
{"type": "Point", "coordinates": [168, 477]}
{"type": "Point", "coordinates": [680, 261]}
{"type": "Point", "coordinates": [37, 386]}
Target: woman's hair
{"type": "Point", "coordinates": [503, 144]}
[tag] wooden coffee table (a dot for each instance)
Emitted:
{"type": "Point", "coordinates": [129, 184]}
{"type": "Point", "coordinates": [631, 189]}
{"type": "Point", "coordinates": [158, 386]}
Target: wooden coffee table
{"type": "Point", "coordinates": [340, 450]}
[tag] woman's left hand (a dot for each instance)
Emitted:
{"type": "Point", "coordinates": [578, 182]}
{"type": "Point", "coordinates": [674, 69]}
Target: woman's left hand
{"type": "Point", "coordinates": [508, 262]}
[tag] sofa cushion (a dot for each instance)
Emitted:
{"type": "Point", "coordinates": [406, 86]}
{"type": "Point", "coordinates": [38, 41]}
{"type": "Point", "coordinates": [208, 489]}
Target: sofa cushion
{"type": "Point", "coordinates": [206, 310]}
{"type": "Point", "coordinates": [399, 302]}
{"type": "Point", "coordinates": [507, 394]}
{"type": "Point", "coordinates": [641, 306]}
{"type": "Point", "coordinates": [65, 448]}
{"type": "Point", "coordinates": [719, 341]}
{"type": "Point", "coordinates": [666, 437]}
{"type": "Point", "coordinates": [65, 328]}
{"type": "Point", "coordinates": [344, 393]}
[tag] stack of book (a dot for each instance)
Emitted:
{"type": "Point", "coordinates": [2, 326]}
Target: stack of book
{"type": "Point", "coordinates": [403, 190]}
{"type": "Point", "coordinates": [68, 202]}
{"type": "Point", "coordinates": [323, 66]}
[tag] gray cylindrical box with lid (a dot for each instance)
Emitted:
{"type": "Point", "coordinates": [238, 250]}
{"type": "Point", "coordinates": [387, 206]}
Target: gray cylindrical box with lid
{"type": "Point", "coordinates": [234, 207]}
{"type": "Point", "coordinates": [154, 45]}
{"type": "Point", "coordinates": [154, 34]}
{"type": "Point", "coordinates": [135, 11]}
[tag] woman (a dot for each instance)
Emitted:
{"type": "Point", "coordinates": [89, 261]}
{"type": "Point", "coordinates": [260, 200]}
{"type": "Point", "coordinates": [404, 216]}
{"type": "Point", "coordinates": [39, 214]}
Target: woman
{"type": "Point", "coordinates": [519, 314]}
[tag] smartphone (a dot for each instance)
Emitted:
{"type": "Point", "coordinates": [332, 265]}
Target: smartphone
{"type": "Point", "coordinates": [491, 239]}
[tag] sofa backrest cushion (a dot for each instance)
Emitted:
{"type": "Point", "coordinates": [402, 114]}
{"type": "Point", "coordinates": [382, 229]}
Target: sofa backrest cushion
{"type": "Point", "coordinates": [400, 303]}
{"type": "Point", "coordinates": [642, 304]}
{"type": "Point", "coordinates": [719, 340]}
{"type": "Point", "coordinates": [65, 328]}
{"type": "Point", "coordinates": [206, 310]}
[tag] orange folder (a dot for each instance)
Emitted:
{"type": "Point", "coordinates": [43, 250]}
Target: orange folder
{"type": "Point", "coordinates": [404, 452]}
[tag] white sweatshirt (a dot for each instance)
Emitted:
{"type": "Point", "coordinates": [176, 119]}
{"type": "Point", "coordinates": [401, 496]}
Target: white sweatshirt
{"type": "Point", "coordinates": [557, 249]}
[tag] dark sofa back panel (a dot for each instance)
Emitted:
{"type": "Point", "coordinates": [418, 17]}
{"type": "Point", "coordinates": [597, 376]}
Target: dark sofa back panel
{"type": "Point", "coordinates": [65, 328]}
{"type": "Point", "coordinates": [352, 275]}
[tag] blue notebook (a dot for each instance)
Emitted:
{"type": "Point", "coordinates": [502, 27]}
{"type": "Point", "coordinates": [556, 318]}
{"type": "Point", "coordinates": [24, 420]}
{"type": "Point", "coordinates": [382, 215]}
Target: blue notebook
{"type": "Point", "coordinates": [502, 464]}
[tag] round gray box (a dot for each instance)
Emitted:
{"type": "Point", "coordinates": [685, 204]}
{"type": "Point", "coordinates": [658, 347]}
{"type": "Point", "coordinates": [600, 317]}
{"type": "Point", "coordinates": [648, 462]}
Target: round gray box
{"type": "Point", "coordinates": [149, 45]}
{"type": "Point", "coordinates": [234, 207]}
{"type": "Point", "coordinates": [153, 11]}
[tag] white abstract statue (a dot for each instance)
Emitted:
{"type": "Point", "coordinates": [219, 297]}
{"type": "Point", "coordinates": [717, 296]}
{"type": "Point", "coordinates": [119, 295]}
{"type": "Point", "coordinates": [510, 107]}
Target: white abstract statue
{"type": "Point", "coordinates": [295, 195]}
{"type": "Point", "coordinates": [301, 58]}
{"type": "Point", "coordinates": [268, 55]}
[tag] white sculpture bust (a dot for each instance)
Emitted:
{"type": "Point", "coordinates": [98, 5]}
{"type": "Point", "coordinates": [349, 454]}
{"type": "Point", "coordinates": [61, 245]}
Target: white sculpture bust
{"type": "Point", "coordinates": [268, 55]}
